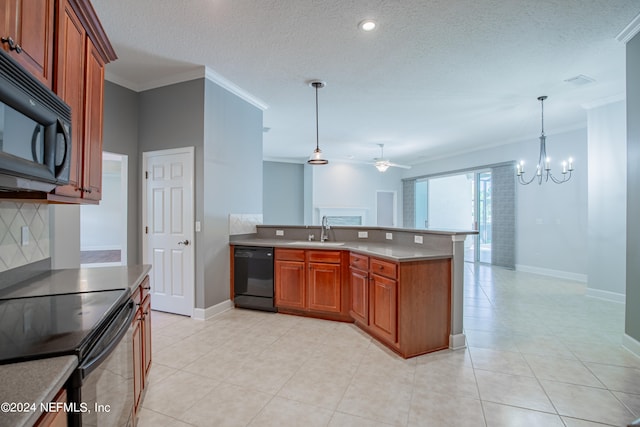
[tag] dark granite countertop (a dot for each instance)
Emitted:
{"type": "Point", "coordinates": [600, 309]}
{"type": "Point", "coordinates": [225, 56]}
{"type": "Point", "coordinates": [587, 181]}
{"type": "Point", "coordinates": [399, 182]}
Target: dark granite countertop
{"type": "Point", "coordinates": [393, 252]}
{"type": "Point", "coordinates": [73, 280]}
{"type": "Point", "coordinates": [33, 382]}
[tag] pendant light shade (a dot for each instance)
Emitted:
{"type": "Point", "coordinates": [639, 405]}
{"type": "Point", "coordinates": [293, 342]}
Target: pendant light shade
{"type": "Point", "coordinates": [316, 156]}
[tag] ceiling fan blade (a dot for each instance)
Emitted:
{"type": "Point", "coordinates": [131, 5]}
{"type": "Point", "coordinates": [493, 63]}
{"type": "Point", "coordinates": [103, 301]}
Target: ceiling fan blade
{"type": "Point", "coordinates": [398, 166]}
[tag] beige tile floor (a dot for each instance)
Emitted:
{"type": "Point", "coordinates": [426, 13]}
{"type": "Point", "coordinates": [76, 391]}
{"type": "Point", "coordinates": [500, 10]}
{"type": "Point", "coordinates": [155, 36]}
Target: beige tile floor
{"type": "Point", "coordinates": [540, 353]}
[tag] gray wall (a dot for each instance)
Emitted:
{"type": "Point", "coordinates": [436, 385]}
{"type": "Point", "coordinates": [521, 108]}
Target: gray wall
{"type": "Point", "coordinates": [283, 193]}
{"type": "Point", "coordinates": [232, 183]}
{"type": "Point", "coordinates": [551, 219]}
{"type": "Point", "coordinates": [171, 117]}
{"type": "Point", "coordinates": [607, 200]}
{"type": "Point", "coordinates": [227, 135]}
{"type": "Point", "coordinates": [120, 136]}
{"type": "Point", "coordinates": [632, 321]}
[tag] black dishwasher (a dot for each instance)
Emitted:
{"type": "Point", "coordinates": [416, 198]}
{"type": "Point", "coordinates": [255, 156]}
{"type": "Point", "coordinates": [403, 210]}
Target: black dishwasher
{"type": "Point", "coordinates": [253, 278]}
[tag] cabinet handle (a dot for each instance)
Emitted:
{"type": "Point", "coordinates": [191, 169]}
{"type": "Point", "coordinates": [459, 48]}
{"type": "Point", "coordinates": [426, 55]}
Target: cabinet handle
{"type": "Point", "coordinates": [12, 44]}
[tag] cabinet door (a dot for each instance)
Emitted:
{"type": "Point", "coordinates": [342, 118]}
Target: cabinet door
{"type": "Point", "coordinates": [324, 287]}
{"type": "Point", "coordinates": [29, 25]}
{"type": "Point", "coordinates": [92, 147]}
{"type": "Point", "coordinates": [69, 86]}
{"type": "Point", "coordinates": [359, 285]}
{"type": "Point", "coordinates": [138, 373]}
{"type": "Point", "coordinates": [290, 284]}
{"type": "Point", "coordinates": [146, 333]}
{"type": "Point", "coordinates": [383, 308]}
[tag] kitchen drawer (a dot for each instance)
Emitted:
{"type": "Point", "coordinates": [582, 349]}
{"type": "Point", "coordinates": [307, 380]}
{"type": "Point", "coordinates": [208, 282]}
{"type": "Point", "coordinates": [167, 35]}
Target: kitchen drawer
{"type": "Point", "coordinates": [330, 257]}
{"type": "Point", "coordinates": [358, 261]}
{"type": "Point", "coordinates": [289, 254]}
{"type": "Point", "coordinates": [383, 268]}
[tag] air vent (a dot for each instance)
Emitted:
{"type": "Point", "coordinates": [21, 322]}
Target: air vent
{"type": "Point", "coordinates": [580, 80]}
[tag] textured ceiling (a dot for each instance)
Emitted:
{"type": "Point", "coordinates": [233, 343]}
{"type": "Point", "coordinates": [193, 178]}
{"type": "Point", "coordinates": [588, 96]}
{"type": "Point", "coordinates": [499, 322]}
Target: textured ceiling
{"type": "Point", "coordinates": [435, 77]}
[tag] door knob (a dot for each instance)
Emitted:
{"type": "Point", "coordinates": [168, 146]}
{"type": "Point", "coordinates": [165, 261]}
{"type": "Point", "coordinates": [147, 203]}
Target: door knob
{"type": "Point", "coordinates": [186, 243]}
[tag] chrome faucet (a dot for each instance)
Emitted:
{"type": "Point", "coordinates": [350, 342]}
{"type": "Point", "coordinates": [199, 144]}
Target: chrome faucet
{"type": "Point", "coordinates": [324, 234]}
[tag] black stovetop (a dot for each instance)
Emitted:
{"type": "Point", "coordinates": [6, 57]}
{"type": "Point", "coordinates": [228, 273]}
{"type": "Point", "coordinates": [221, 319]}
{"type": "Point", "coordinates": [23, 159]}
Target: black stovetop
{"type": "Point", "coordinates": [55, 325]}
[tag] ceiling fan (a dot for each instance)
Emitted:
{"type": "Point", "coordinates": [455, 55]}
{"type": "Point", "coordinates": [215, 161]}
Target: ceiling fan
{"type": "Point", "coordinates": [382, 164]}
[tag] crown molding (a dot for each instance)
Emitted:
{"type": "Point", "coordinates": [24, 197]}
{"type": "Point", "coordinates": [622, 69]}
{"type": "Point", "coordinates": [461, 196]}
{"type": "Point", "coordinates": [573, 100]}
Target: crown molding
{"type": "Point", "coordinates": [630, 30]}
{"type": "Point", "coordinates": [196, 73]}
{"type": "Point", "coordinates": [234, 89]}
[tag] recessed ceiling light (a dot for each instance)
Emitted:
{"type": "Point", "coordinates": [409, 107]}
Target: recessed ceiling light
{"type": "Point", "coordinates": [367, 25]}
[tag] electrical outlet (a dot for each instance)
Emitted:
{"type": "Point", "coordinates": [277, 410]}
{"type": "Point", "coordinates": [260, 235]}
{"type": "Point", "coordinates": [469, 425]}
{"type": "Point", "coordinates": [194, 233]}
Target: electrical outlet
{"type": "Point", "coordinates": [389, 236]}
{"type": "Point", "coordinates": [24, 235]}
{"type": "Point", "coordinates": [363, 234]}
{"type": "Point", "coordinates": [279, 232]}
{"type": "Point", "coordinates": [417, 239]}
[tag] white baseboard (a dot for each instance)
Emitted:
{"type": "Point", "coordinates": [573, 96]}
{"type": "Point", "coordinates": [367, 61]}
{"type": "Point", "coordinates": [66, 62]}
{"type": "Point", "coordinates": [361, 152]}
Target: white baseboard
{"type": "Point", "coordinates": [606, 295]}
{"type": "Point", "coordinates": [553, 273]}
{"type": "Point", "coordinates": [214, 310]}
{"type": "Point", "coordinates": [458, 341]}
{"type": "Point", "coordinates": [631, 344]}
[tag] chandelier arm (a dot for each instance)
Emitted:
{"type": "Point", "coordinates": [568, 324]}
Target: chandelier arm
{"type": "Point", "coordinates": [525, 182]}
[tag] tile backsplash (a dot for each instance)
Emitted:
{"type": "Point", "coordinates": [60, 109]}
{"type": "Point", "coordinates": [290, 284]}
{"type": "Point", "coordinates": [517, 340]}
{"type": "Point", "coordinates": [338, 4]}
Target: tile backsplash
{"type": "Point", "coordinates": [244, 223]}
{"type": "Point", "coordinates": [15, 216]}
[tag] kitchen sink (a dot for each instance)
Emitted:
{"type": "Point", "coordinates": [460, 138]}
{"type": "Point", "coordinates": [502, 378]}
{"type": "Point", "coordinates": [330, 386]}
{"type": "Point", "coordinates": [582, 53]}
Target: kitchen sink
{"type": "Point", "coordinates": [316, 243]}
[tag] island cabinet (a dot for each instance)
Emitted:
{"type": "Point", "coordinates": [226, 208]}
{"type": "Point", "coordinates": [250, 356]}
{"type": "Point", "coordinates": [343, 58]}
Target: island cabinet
{"type": "Point", "coordinates": [310, 282]}
{"type": "Point", "coordinates": [405, 305]}
{"type": "Point", "coordinates": [141, 337]}
{"type": "Point", "coordinates": [27, 33]}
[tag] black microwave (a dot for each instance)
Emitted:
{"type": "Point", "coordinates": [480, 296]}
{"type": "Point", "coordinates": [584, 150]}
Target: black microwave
{"type": "Point", "coordinates": [35, 132]}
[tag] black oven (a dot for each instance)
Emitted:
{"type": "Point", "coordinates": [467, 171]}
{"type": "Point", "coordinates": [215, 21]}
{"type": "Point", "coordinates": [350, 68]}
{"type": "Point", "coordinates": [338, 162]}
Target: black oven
{"type": "Point", "coordinates": [35, 131]}
{"type": "Point", "coordinates": [102, 385]}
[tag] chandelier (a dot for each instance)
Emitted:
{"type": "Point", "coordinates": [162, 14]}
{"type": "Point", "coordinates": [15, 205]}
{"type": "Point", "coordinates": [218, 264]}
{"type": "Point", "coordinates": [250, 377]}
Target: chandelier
{"type": "Point", "coordinates": [543, 168]}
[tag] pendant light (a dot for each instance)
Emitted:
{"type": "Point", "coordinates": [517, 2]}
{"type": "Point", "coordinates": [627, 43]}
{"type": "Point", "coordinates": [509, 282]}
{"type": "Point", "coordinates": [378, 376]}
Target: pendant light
{"type": "Point", "coordinates": [316, 157]}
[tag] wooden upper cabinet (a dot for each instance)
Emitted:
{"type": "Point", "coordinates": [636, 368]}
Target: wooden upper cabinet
{"type": "Point", "coordinates": [70, 64]}
{"type": "Point", "coordinates": [82, 51]}
{"type": "Point", "coordinates": [94, 101]}
{"type": "Point", "coordinates": [27, 32]}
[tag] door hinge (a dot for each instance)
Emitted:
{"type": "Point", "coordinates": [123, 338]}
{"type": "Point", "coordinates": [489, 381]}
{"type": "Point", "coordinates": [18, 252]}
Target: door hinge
{"type": "Point", "coordinates": [146, 229]}
{"type": "Point", "coordinates": [146, 174]}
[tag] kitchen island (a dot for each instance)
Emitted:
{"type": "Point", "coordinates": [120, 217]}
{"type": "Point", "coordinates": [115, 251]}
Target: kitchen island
{"type": "Point", "coordinates": [404, 287]}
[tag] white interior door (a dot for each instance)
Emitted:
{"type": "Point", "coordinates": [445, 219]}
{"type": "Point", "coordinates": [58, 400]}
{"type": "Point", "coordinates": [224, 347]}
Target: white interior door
{"type": "Point", "coordinates": [168, 228]}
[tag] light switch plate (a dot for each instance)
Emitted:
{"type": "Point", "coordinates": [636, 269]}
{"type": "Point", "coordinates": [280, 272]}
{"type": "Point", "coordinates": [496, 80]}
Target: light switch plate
{"type": "Point", "coordinates": [279, 232]}
{"type": "Point", "coordinates": [363, 234]}
{"type": "Point", "coordinates": [389, 236]}
{"type": "Point", "coordinates": [417, 239]}
{"type": "Point", "coordinates": [198, 227]}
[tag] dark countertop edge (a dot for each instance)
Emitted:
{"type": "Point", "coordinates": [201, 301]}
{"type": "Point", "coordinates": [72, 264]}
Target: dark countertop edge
{"type": "Point", "coordinates": [44, 377]}
{"type": "Point", "coordinates": [422, 255]}
{"type": "Point", "coordinates": [408, 230]}
{"type": "Point", "coordinates": [146, 268]}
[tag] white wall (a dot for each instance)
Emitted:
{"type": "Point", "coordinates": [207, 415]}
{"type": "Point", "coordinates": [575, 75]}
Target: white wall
{"type": "Point", "coordinates": [551, 220]}
{"type": "Point", "coordinates": [607, 200]}
{"type": "Point", "coordinates": [101, 225]}
{"type": "Point", "coordinates": [351, 186]}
